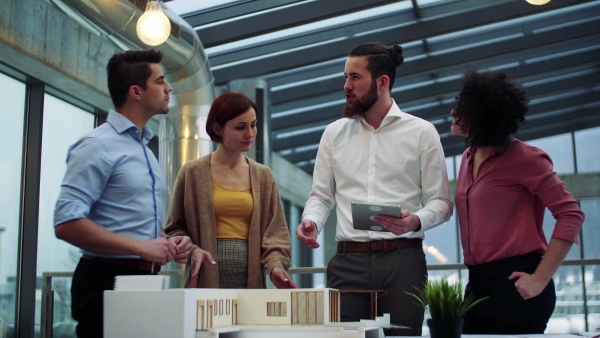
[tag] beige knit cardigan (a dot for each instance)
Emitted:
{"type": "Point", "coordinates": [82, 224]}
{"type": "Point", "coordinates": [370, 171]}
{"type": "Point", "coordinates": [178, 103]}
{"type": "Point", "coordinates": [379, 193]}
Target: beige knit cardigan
{"type": "Point", "coordinates": [191, 213]}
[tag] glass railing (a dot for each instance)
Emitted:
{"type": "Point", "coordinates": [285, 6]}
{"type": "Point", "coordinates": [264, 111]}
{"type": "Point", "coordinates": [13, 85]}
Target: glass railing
{"type": "Point", "coordinates": [577, 288]}
{"type": "Point", "coordinates": [56, 320]}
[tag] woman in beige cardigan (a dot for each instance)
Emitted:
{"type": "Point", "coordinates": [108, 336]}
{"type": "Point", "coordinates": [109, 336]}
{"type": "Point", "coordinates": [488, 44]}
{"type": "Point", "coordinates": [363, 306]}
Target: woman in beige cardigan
{"type": "Point", "coordinates": [229, 206]}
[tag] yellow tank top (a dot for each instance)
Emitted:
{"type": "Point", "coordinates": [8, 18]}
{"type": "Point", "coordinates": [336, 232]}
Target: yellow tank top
{"type": "Point", "coordinates": [233, 211]}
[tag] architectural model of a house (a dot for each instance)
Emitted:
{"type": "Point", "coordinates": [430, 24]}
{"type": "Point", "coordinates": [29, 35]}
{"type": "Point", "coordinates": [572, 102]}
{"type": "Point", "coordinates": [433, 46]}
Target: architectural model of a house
{"type": "Point", "coordinates": [195, 313]}
{"type": "Point", "coordinates": [219, 307]}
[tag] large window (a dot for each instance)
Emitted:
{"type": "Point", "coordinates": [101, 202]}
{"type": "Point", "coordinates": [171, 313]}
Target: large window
{"type": "Point", "coordinates": [591, 231]}
{"type": "Point", "coordinates": [63, 125]}
{"type": "Point", "coordinates": [591, 250]}
{"type": "Point", "coordinates": [578, 286]}
{"type": "Point", "coordinates": [442, 244]}
{"type": "Point", "coordinates": [12, 118]}
{"type": "Point", "coordinates": [301, 255]}
{"type": "Point", "coordinates": [560, 150]}
{"type": "Point", "coordinates": [586, 146]}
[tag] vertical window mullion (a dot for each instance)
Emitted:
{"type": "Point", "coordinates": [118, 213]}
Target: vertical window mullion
{"type": "Point", "coordinates": [28, 227]}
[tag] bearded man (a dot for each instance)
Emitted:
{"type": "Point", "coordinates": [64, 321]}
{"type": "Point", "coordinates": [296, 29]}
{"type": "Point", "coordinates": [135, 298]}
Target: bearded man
{"type": "Point", "coordinates": [378, 154]}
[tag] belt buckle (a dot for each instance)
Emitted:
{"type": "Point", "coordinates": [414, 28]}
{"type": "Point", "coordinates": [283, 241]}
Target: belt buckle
{"type": "Point", "coordinates": [369, 246]}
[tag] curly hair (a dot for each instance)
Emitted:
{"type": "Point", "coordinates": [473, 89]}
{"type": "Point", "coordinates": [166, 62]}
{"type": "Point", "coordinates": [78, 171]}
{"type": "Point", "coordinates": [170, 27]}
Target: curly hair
{"type": "Point", "coordinates": [489, 108]}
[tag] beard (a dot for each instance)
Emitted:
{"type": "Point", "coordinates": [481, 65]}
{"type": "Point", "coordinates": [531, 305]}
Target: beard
{"type": "Point", "coordinates": [362, 105]}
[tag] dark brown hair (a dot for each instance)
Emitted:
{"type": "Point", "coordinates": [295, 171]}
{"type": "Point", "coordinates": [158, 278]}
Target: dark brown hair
{"type": "Point", "coordinates": [226, 107]}
{"type": "Point", "coordinates": [382, 59]}
{"type": "Point", "coordinates": [129, 68]}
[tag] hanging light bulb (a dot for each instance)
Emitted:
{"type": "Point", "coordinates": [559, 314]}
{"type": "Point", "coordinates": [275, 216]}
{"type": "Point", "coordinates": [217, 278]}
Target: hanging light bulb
{"type": "Point", "coordinates": [538, 2]}
{"type": "Point", "coordinates": [153, 27]}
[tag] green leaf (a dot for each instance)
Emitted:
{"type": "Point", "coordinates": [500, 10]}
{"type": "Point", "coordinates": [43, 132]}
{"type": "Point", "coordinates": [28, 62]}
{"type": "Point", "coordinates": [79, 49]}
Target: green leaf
{"type": "Point", "coordinates": [444, 300]}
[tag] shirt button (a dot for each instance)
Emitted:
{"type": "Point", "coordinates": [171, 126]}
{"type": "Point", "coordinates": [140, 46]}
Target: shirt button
{"type": "Point", "coordinates": [370, 193]}
{"type": "Point", "coordinates": [137, 131]}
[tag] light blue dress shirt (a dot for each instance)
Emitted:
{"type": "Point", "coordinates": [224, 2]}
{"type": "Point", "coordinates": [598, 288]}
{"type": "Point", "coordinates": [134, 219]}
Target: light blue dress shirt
{"type": "Point", "coordinates": [115, 180]}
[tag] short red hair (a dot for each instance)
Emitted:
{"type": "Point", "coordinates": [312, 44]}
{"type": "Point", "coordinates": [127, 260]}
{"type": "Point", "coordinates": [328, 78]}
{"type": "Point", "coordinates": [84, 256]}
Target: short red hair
{"type": "Point", "coordinates": [226, 107]}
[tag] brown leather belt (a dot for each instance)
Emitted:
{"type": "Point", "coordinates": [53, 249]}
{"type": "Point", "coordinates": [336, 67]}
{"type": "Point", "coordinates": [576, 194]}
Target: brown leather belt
{"type": "Point", "coordinates": [131, 262]}
{"type": "Point", "coordinates": [377, 246]}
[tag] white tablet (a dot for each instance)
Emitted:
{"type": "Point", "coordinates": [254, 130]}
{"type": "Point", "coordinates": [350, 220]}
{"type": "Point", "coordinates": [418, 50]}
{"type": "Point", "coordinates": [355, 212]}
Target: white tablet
{"type": "Point", "coordinates": [364, 213]}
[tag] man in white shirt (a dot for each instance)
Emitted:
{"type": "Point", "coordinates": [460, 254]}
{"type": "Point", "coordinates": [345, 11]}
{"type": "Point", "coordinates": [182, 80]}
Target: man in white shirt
{"type": "Point", "coordinates": [378, 154]}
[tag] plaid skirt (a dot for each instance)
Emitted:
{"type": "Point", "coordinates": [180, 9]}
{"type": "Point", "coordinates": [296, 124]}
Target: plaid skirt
{"type": "Point", "coordinates": [233, 263]}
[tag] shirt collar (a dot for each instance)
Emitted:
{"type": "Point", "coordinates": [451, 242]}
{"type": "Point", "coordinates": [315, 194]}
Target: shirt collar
{"type": "Point", "coordinates": [500, 149]}
{"type": "Point", "coordinates": [122, 124]}
{"type": "Point", "coordinates": [394, 111]}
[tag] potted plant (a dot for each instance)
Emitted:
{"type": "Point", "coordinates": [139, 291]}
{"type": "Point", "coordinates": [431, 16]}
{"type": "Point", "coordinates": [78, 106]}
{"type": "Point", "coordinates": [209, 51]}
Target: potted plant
{"type": "Point", "coordinates": [445, 304]}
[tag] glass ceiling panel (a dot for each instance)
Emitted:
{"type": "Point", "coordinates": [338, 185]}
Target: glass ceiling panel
{"type": "Point", "coordinates": [319, 25]}
{"type": "Point", "coordinates": [182, 7]}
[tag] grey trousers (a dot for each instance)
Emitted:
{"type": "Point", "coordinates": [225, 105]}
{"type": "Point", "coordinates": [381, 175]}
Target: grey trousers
{"type": "Point", "coordinates": [394, 271]}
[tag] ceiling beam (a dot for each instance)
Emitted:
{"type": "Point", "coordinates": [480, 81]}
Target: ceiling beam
{"type": "Point", "coordinates": [582, 120]}
{"type": "Point", "coordinates": [536, 108]}
{"type": "Point", "coordinates": [524, 69]}
{"type": "Point", "coordinates": [302, 39]}
{"type": "Point", "coordinates": [312, 116]}
{"type": "Point", "coordinates": [309, 168]}
{"type": "Point", "coordinates": [301, 156]}
{"type": "Point", "coordinates": [231, 11]}
{"type": "Point", "coordinates": [348, 29]}
{"type": "Point", "coordinates": [266, 22]}
{"type": "Point", "coordinates": [506, 47]}
{"type": "Point", "coordinates": [578, 103]}
{"type": "Point", "coordinates": [450, 88]}
{"type": "Point", "coordinates": [561, 102]}
{"type": "Point", "coordinates": [496, 11]}
{"type": "Point", "coordinates": [312, 137]}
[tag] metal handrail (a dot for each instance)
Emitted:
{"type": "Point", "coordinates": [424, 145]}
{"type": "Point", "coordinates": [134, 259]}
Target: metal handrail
{"type": "Point", "coordinates": [434, 267]}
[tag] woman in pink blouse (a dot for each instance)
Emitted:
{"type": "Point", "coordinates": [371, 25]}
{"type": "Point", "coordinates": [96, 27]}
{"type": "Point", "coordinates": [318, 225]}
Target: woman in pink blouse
{"type": "Point", "coordinates": [503, 187]}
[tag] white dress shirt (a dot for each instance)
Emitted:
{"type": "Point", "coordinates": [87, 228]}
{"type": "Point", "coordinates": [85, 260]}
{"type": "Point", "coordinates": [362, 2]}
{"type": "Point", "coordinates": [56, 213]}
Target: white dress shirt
{"type": "Point", "coordinates": [401, 162]}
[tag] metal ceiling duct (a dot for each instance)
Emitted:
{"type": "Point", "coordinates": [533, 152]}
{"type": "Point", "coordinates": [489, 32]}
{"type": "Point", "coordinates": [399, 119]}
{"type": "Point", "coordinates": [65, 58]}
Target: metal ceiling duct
{"type": "Point", "coordinates": [182, 135]}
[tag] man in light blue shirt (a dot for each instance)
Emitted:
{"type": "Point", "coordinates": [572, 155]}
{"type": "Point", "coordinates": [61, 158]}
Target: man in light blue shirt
{"type": "Point", "coordinates": [112, 195]}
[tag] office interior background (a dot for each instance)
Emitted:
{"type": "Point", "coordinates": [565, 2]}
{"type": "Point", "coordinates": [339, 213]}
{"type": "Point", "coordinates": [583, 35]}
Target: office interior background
{"type": "Point", "coordinates": [288, 55]}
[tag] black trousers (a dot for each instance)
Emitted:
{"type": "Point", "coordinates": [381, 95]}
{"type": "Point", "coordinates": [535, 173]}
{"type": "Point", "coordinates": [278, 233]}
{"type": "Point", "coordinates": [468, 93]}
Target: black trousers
{"type": "Point", "coordinates": [395, 271]}
{"type": "Point", "coordinates": [506, 312]}
{"type": "Point", "coordinates": [90, 280]}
